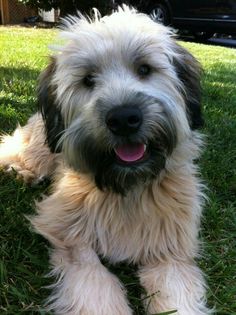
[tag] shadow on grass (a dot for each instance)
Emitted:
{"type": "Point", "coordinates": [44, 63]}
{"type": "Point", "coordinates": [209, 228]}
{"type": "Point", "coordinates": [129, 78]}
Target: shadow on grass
{"type": "Point", "coordinates": [219, 103]}
{"type": "Point", "coordinates": [18, 96]}
{"type": "Point", "coordinates": [19, 72]}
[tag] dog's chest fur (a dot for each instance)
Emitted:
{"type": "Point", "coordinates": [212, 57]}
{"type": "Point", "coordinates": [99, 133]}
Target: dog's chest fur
{"type": "Point", "coordinates": [149, 223]}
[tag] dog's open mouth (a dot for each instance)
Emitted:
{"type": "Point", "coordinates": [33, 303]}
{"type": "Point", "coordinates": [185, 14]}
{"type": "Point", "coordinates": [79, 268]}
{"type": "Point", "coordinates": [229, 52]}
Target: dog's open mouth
{"type": "Point", "coordinates": [131, 153]}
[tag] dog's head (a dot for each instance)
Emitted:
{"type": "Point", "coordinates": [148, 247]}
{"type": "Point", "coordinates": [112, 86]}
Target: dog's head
{"type": "Point", "coordinates": [119, 97]}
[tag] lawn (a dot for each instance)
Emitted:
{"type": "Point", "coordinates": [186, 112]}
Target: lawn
{"type": "Point", "coordinates": [24, 255]}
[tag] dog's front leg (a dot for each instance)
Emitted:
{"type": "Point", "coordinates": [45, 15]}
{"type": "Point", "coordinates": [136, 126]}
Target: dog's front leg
{"type": "Point", "coordinates": [174, 286]}
{"type": "Point", "coordinates": [85, 286]}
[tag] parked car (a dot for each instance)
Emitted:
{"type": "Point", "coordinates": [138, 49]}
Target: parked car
{"type": "Point", "coordinates": [202, 18]}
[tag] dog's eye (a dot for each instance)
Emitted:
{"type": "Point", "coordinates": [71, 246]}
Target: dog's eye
{"type": "Point", "coordinates": [144, 70]}
{"type": "Point", "coordinates": [89, 81]}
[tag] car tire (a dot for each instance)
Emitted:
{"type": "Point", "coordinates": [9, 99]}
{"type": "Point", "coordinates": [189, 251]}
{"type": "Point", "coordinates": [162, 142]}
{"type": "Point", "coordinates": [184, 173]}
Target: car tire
{"type": "Point", "coordinates": [160, 14]}
{"type": "Point", "coordinates": [202, 36]}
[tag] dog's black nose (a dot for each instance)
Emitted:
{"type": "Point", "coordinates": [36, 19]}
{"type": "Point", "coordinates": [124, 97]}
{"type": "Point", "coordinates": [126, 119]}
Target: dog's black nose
{"type": "Point", "coordinates": [124, 120]}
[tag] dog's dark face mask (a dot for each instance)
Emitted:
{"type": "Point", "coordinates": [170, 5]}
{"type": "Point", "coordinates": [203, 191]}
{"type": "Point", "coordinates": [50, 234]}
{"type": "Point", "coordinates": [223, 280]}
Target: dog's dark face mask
{"type": "Point", "coordinates": [131, 144]}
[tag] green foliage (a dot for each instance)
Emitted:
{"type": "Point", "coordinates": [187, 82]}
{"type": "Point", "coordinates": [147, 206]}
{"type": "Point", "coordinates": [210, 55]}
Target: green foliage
{"type": "Point", "coordinates": [24, 255]}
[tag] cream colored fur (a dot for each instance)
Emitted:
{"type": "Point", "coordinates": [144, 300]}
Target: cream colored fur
{"type": "Point", "coordinates": [155, 225]}
{"type": "Point", "coordinates": [27, 153]}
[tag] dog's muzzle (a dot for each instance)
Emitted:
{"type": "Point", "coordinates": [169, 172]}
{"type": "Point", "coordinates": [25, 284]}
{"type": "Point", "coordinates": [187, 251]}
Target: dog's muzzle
{"type": "Point", "coordinates": [130, 146]}
{"type": "Point", "coordinates": [125, 121]}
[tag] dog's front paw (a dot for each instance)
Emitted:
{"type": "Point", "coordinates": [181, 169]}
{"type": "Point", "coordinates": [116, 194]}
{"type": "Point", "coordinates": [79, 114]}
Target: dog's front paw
{"type": "Point", "coordinates": [88, 290]}
{"type": "Point", "coordinates": [21, 173]}
{"type": "Point", "coordinates": [91, 303]}
{"type": "Point", "coordinates": [175, 287]}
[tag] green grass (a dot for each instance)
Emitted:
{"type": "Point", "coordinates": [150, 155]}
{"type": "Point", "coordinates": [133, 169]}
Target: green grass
{"type": "Point", "coordinates": [24, 255]}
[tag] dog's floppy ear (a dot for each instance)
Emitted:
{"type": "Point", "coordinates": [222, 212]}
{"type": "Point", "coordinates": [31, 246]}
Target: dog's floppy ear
{"type": "Point", "coordinates": [50, 112]}
{"type": "Point", "coordinates": [189, 71]}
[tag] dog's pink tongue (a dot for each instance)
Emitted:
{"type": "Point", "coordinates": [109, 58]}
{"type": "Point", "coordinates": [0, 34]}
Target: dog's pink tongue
{"type": "Point", "coordinates": [130, 152]}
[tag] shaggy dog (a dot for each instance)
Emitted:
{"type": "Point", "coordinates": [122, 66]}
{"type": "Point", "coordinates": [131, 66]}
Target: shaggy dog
{"type": "Point", "coordinates": [120, 105]}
